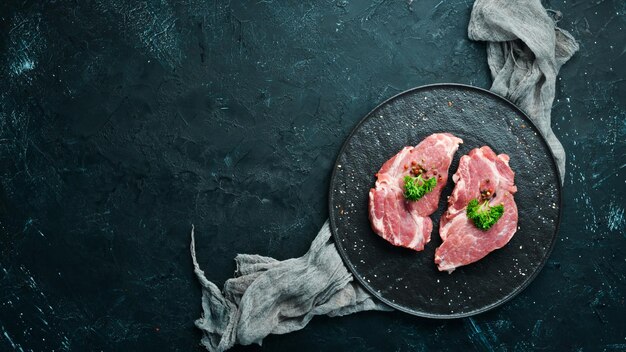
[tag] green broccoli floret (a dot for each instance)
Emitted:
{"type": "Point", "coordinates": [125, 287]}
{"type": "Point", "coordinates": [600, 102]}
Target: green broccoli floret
{"type": "Point", "coordinates": [416, 187]}
{"type": "Point", "coordinates": [483, 215]}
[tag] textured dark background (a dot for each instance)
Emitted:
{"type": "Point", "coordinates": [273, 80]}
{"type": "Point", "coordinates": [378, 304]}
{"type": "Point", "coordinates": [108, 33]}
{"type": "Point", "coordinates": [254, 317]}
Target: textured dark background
{"type": "Point", "coordinates": [123, 124]}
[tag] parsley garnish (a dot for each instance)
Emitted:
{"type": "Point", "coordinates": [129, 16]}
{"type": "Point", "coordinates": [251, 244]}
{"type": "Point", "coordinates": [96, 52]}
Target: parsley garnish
{"type": "Point", "coordinates": [483, 215]}
{"type": "Point", "coordinates": [416, 187]}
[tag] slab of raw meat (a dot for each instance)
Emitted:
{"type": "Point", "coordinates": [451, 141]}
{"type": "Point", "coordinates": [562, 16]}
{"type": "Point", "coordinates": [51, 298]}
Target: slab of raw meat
{"type": "Point", "coordinates": [463, 243]}
{"type": "Point", "coordinates": [399, 221]}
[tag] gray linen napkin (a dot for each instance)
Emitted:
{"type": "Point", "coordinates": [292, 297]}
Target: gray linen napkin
{"type": "Point", "coordinates": [268, 296]}
{"type": "Point", "coordinates": [525, 51]}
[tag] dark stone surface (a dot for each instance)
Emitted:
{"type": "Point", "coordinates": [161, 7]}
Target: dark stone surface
{"type": "Point", "coordinates": [121, 124]}
{"type": "Point", "coordinates": [409, 280]}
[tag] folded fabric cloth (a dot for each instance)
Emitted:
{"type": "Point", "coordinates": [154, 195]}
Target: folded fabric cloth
{"type": "Point", "coordinates": [268, 296]}
{"type": "Point", "coordinates": [525, 51]}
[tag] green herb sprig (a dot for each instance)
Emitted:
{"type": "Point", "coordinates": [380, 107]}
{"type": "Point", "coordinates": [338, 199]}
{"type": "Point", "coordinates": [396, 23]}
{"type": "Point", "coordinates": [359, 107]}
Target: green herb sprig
{"type": "Point", "coordinates": [416, 187]}
{"type": "Point", "coordinates": [483, 215]}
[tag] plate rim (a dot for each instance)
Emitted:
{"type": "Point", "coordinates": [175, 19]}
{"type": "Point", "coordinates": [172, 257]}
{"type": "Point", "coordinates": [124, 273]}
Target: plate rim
{"type": "Point", "coordinates": [525, 284]}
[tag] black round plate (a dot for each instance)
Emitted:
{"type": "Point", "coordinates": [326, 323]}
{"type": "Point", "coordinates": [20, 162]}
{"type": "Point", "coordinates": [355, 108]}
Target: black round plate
{"type": "Point", "coordinates": [407, 280]}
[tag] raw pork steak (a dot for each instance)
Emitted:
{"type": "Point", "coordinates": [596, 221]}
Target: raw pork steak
{"type": "Point", "coordinates": [484, 176]}
{"type": "Point", "coordinates": [399, 221]}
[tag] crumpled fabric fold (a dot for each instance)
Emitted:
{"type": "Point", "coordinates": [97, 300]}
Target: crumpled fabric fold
{"type": "Point", "coordinates": [268, 296]}
{"type": "Point", "coordinates": [525, 51]}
